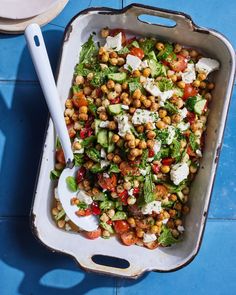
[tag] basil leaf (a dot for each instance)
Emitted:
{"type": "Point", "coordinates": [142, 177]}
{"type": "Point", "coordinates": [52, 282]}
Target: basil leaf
{"type": "Point", "coordinates": [71, 183]}
{"type": "Point", "coordinates": [148, 189]}
{"type": "Point", "coordinates": [114, 168]}
{"type": "Point", "coordinates": [163, 153]}
{"type": "Point", "coordinates": [166, 238]}
{"type": "Point", "coordinates": [93, 109]}
{"type": "Point", "coordinates": [55, 174]}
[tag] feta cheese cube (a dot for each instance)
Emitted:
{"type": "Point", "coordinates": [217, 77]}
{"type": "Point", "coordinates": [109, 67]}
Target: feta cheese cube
{"type": "Point", "coordinates": [104, 124]}
{"type": "Point", "coordinates": [132, 62]}
{"type": "Point", "coordinates": [114, 43]}
{"type": "Point", "coordinates": [56, 193]}
{"type": "Point", "coordinates": [164, 221]}
{"type": "Point", "coordinates": [207, 65]}
{"type": "Point", "coordinates": [180, 228]}
{"type": "Point", "coordinates": [124, 107]}
{"type": "Point", "coordinates": [131, 192]}
{"type": "Point", "coordinates": [148, 238]}
{"type": "Point", "coordinates": [183, 113]}
{"type": "Point", "coordinates": [154, 206]}
{"type": "Point", "coordinates": [103, 153]}
{"type": "Point", "coordinates": [157, 146]}
{"type": "Point", "coordinates": [179, 172]}
{"type": "Point", "coordinates": [144, 116]}
{"type": "Point", "coordinates": [189, 75]}
{"type": "Point", "coordinates": [123, 124]}
{"type": "Point", "coordinates": [84, 198]}
{"type": "Point", "coordinates": [183, 126]}
{"type": "Point", "coordinates": [164, 96]}
{"type": "Point", "coordinates": [104, 163]}
{"type": "Point", "coordinates": [171, 134]}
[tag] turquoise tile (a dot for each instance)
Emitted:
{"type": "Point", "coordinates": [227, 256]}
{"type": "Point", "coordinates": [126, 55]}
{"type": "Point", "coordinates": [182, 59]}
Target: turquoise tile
{"type": "Point", "coordinates": [27, 267]}
{"type": "Point", "coordinates": [22, 124]}
{"type": "Point", "coordinates": [15, 61]}
{"type": "Point", "coordinates": [215, 14]}
{"type": "Point", "coordinates": [212, 272]}
{"type": "Point", "coordinates": [74, 6]}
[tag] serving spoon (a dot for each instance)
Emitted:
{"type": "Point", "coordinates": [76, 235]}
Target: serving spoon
{"type": "Point", "coordinates": [43, 69]}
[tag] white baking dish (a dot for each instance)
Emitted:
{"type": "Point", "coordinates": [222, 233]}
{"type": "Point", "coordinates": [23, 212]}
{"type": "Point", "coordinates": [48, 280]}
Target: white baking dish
{"type": "Point", "coordinates": [140, 259]}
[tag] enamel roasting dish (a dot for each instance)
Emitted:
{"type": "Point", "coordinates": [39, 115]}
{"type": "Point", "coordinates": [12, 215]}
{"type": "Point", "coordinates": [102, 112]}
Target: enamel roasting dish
{"type": "Point", "coordinates": [139, 259]}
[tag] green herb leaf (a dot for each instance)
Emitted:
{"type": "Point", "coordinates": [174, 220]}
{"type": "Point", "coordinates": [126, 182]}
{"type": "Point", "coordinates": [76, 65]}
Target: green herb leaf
{"type": "Point", "coordinates": [60, 214]}
{"type": "Point", "coordinates": [58, 144]}
{"type": "Point", "coordinates": [81, 70]}
{"type": "Point", "coordinates": [114, 168]}
{"type": "Point", "coordinates": [124, 50]}
{"type": "Point", "coordinates": [105, 205]}
{"type": "Point", "coordinates": [175, 149]}
{"type": "Point", "coordinates": [93, 154]}
{"type": "Point", "coordinates": [143, 163]}
{"type": "Point", "coordinates": [165, 84]}
{"type": "Point", "coordinates": [82, 205]}
{"type": "Point", "coordinates": [87, 141]}
{"type": "Point", "coordinates": [93, 109]}
{"type": "Point", "coordinates": [79, 159]}
{"type": "Point", "coordinates": [166, 238]}
{"type": "Point", "coordinates": [119, 215]}
{"type": "Point", "coordinates": [107, 227]}
{"type": "Point", "coordinates": [192, 140]}
{"type": "Point", "coordinates": [88, 51]}
{"type": "Point", "coordinates": [170, 108]}
{"type": "Point", "coordinates": [147, 45]}
{"type": "Point", "coordinates": [55, 174]}
{"type": "Point", "coordinates": [100, 197]}
{"type": "Point", "coordinates": [163, 153]}
{"type": "Point", "coordinates": [71, 183]}
{"type": "Point", "coordinates": [162, 135]}
{"type": "Point", "coordinates": [75, 89]}
{"type": "Point", "coordinates": [148, 189]}
{"type": "Point", "coordinates": [133, 86]}
{"type": "Point", "coordinates": [167, 204]}
{"type": "Point", "coordinates": [135, 44]}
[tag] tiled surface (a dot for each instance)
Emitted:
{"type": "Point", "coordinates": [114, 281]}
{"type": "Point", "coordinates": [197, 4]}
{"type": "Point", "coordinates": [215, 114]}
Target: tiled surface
{"type": "Point", "coordinates": [28, 268]}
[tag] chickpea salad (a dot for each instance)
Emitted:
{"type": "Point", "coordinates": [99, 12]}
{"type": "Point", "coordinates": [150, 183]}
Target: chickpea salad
{"type": "Point", "coordinates": [136, 118]}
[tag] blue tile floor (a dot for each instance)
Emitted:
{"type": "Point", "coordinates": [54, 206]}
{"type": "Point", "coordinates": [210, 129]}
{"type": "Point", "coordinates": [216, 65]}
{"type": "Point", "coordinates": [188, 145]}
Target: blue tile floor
{"type": "Point", "coordinates": [26, 267]}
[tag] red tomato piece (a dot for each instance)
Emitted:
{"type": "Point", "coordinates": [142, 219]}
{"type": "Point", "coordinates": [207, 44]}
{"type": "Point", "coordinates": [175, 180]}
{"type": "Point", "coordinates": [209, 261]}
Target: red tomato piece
{"type": "Point", "coordinates": [189, 91]}
{"type": "Point", "coordinates": [79, 100]}
{"type": "Point", "coordinates": [129, 238]}
{"type": "Point", "coordinates": [161, 190]}
{"type": "Point", "coordinates": [137, 52]}
{"type": "Point", "coordinates": [151, 245]}
{"type": "Point", "coordinates": [107, 183]}
{"type": "Point", "coordinates": [71, 130]}
{"type": "Point", "coordinates": [109, 222]}
{"type": "Point", "coordinates": [136, 191]}
{"type": "Point", "coordinates": [114, 32]}
{"type": "Point", "coordinates": [60, 156]}
{"type": "Point", "coordinates": [155, 168]}
{"type": "Point", "coordinates": [167, 161]}
{"type": "Point", "coordinates": [81, 174]}
{"type": "Point", "coordinates": [190, 152]}
{"type": "Point", "coordinates": [95, 208]}
{"type": "Point", "coordinates": [151, 153]}
{"type": "Point", "coordinates": [115, 100]}
{"type": "Point", "coordinates": [191, 117]}
{"type": "Point", "coordinates": [83, 212]}
{"type": "Point", "coordinates": [93, 234]}
{"type": "Point", "coordinates": [126, 168]}
{"type": "Point", "coordinates": [123, 196]}
{"type": "Point", "coordinates": [178, 65]}
{"type": "Point", "coordinates": [85, 132]}
{"type": "Point", "coordinates": [121, 226]}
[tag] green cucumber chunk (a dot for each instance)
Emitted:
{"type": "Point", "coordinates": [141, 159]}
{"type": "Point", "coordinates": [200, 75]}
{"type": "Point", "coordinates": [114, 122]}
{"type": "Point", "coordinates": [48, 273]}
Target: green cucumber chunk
{"type": "Point", "coordinates": [97, 128]}
{"type": "Point", "coordinates": [115, 109]}
{"type": "Point", "coordinates": [102, 138]}
{"type": "Point", "coordinates": [111, 145]}
{"type": "Point", "coordinates": [117, 77]}
{"type": "Point", "coordinates": [199, 106]}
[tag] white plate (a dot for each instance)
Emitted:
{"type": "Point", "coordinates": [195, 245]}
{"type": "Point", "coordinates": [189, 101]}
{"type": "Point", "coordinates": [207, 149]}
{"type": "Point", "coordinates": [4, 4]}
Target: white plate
{"type": "Point", "coordinates": [10, 26]}
{"type": "Point", "coordinates": [15, 9]}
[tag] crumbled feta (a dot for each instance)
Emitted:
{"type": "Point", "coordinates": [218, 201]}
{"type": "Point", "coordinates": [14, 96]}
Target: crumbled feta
{"type": "Point", "coordinates": [143, 171]}
{"type": "Point", "coordinates": [104, 124]}
{"type": "Point", "coordinates": [67, 218]}
{"type": "Point", "coordinates": [104, 163]}
{"type": "Point", "coordinates": [143, 65]}
{"type": "Point", "coordinates": [198, 153]}
{"type": "Point", "coordinates": [148, 238]}
{"type": "Point", "coordinates": [149, 160]}
{"type": "Point", "coordinates": [179, 172]}
{"type": "Point", "coordinates": [189, 75]}
{"type": "Point", "coordinates": [164, 96]}
{"type": "Point", "coordinates": [103, 153]}
{"type": "Point", "coordinates": [124, 107]}
{"type": "Point", "coordinates": [157, 146]}
{"type": "Point", "coordinates": [207, 65]}
{"type": "Point", "coordinates": [106, 175]}
{"type": "Point", "coordinates": [56, 193]}
{"type": "Point", "coordinates": [132, 62]}
{"type": "Point", "coordinates": [180, 228]}
{"type": "Point", "coordinates": [154, 206]}
{"type": "Point", "coordinates": [183, 126]}
{"type": "Point", "coordinates": [131, 192]}
{"type": "Point", "coordinates": [171, 134]}
{"type": "Point", "coordinates": [84, 198]}
{"type": "Point", "coordinates": [144, 116]}
{"type": "Point", "coordinates": [183, 113]}
{"type": "Point", "coordinates": [123, 124]}
{"type": "Point", "coordinates": [114, 43]}
{"type": "Point", "coordinates": [67, 227]}
{"type": "Point", "coordinates": [80, 151]}
{"type": "Point", "coordinates": [164, 221]}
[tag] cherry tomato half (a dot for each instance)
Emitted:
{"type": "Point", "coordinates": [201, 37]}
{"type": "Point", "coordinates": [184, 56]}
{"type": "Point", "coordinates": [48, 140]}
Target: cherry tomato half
{"type": "Point", "coordinates": [161, 190]}
{"type": "Point", "coordinates": [167, 161]}
{"type": "Point", "coordinates": [189, 91]}
{"type": "Point", "coordinates": [81, 174]}
{"type": "Point", "coordinates": [93, 234]}
{"type": "Point", "coordinates": [83, 212]}
{"type": "Point", "coordinates": [190, 152]}
{"type": "Point", "coordinates": [107, 183]}
{"type": "Point", "coordinates": [126, 168]}
{"type": "Point", "coordinates": [151, 153]}
{"type": "Point", "coordinates": [155, 168]}
{"type": "Point", "coordinates": [129, 238]}
{"type": "Point", "coordinates": [123, 196]}
{"type": "Point", "coordinates": [71, 130]}
{"type": "Point", "coordinates": [121, 226]}
{"type": "Point", "coordinates": [95, 208]}
{"type": "Point", "coordinates": [137, 52]}
{"type": "Point", "coordinates": [191, 117]}
{"type": "Point", "coordinates": [178, 65]}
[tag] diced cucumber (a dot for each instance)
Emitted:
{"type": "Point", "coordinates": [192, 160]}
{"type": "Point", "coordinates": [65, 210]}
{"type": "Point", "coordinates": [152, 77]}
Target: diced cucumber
{"type": "Point", "coordinates": [107, 227]}
{"type": "Point", "coordinates": [178, 92]}
{"type": "Point", "coordinates": [119, 215]}
{"type": "Point", "coordinates": [135, 44]}
{"type": "Point", "coordinates": [180, 196]}
{"type": "Point", "coordinates": [152, 55]}
{"type": "Point", "coordinates": [102, 138]}
{"type": "Point", "coordinates": [199, 106]}
{"type": "Point", "coordinates": [97, 128]}
{"type": "Point", "coordinates": [115, 109]}
{"type": "Point", "coordinates": [117, 77]}
{"type": "Point", "coordinates": [111, 145]}
{"type": "Point", "coordinates": [156, 68]}
{"type": "Point", "coordinates": [97, 168]}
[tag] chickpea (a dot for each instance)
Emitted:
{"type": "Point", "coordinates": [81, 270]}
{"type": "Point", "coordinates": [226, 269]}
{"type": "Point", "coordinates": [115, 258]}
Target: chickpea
{"type": "Point", "coordinates": [137, 141]}
{"type": "Point", "coordinates": [193, 169]}
{"type": "Point", "coordinates": [131, 144]}
{"type": "Point", "coordinates": [160, 124]}
{"type": "Point", "coordinates": [183, 143]}
{"type": "Point", "coordinates": [177, 48]}
{"type": "Point", "coordinates": [208, 96]}
{"type": "Point", "coordinates": [179, 103]}
{"type": "Point", "coordinates": [139, 233]}
{"type": "Point", "coordinates": [150, 143]}
{"type": "Point", "coordinates": [170, 224]}
{"type": "Point", "coordinates": [154, 106]}
{"type": "Point", "coordinates": [79, 80]}
{"type": "Point", "coordinates": [90, 76]}
{"type": "Point", "coordinates": [137, 94]}
{"type": "Point", "coordinates": [88, 164]}
{"type": "Point", "coordinates": [172, 213]}
{"type": "Point", "coordinates": [167, 120]}
{"type": "Point", "coordinates": [67, 120]}
{"type": "Point", "coordinates": [184, 52]}
{"type": "Point", "coordinates": [160, 46]}
{"type": "Point", "coordinates": [181, 84]}
{"type": "Point", "coordinates": [129, 136]}
{"type": "Point", "coordinates": [142, 144]}
{"type": "Point", "coordinates": [83, 110]}
{"type": "Point", "coordinates": [69, 112]}
{"type": "Point", "coordinates": [105, 57]}
{"type": "Point", "coordinates": [83, 117]}
{"type": "Point", "coordinates": [149, 126]}
{"type": "Point", "coordinates": [131, 221]}
{"type": "Point", "coordinates": [110, 84]}
{"type": "Point", "coordinates": [87, 90]}
{"type": "Point", "coordinates": [127, 185]}
{"type": "Point", "coordinates": [102, 50]}
{"type": "Point", "coordinates": [136, 73]}
{"type": "Point", "coordinates": [118, 88]}
{"type": "Point", "coordinates": [127, 101]}
{"type": "Point", "coordinates": [115, 138]}
{"type": "Point", "coordinates": [119, 189]}
{"type": "Point", "coordinates": [151, 134]}
{"type": "Point", "coordinates": [174, 78]}
{"type": "Point", "coordinates": [69, 104]}
{"type": "Point", "coordinates": [155, 229]}
{"type": "Point", "coordinates": [120, 143]}
{"type": "Point", "coordinates": [124, 86]}
{"type": "Point", "coordinates": [203, 85]}
{"type": "Point", "coordinates": [210, 86]}
{"type": "Point", "coordinates": [132, 110]}
{"type": "Point", "coordinates": [120, 61]}
{"type": "Point", "coordinates": [131, 200]}
{"type": "Point", "coordinates": [178, 206]}
{"type": "Point", "coordinates": [137, 103]}
{"type": "Point", "coordinates": [124, 95]}
{"type": "Point", "coordinates": [175, 233]}
{"type": "Point", "coordinates": [104, 217]}
{"type": "Point", "coordinates": [117, 159]}
{"type": "Point", "coordinates": [77, 145]}
{"type": "Point", "coordinates": [196, 83]}
{"type": "Point", "coordinates": [113, 54]}
{"type": "Point", "coordinates": [176, 118]}
{"type": "Point", "coordinates": [143, 98]}
{"type": "Point", "coordinates": [61, 223]}
{"type": "Point", "coordinates": [170, 73]}
{"type": "Point", "coordinates": [112, 95]}
{"type": "Point", "coordinates": [193, 53]}
{"type": "Point", "coordinates": [162, 113]}
{"type": "Point", "coordinates": [104, 89]}
{"type": "Point", "coordinates": [111, 213]}
{"type": "Point", "coordinates": [186, 190]}
{"type": "Point", "coordinates": [113, 61]}
{"type": "Point", "coordinates": [147, 103]}
{"type": "Point", "coordinates": [55, 211]}
{"type": "Point", "coordinates": [165, 169]}
{"type": "Point", "coordinates": [185, 209]}
{"type": "Point", "coordinates": [146, 72]}
{"type": "Point", "coordinates": [134, 152]}
{"type": "Point", "coordinates": [140, 128]}
{"type": "Point", "coordinates": [201, 76]}
{"type": "Point", "coordinates": [173, 197]}
{"type": "Point", "coordinates": [131, 158]}
{"type": "Point", "coordinates": [103, 116]}
{"type": "Point", "coordinates": [112, 125]}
